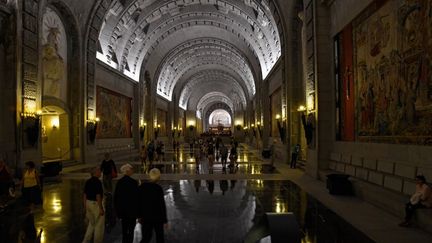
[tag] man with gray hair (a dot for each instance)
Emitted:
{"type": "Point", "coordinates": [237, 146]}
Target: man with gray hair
{"type": "Point", "coordinates": [152, 209]}
{"type": "Point", "coordinates": [95, 214]}
{"type": "Point", "coordinates": [126, 202]}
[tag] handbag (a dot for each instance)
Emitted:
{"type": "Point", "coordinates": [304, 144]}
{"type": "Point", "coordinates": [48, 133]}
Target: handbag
{"type": "Point", "coordinates": [113, 173]}
{"type": "Point", "coordinates": [137, 233]}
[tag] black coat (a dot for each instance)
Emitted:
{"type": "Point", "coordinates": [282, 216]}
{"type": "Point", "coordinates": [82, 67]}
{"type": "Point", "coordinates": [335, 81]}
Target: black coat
{"type": "Point", "coordinates": [152, 203]}
{"type": "Point", "coordinates": [126, 198]}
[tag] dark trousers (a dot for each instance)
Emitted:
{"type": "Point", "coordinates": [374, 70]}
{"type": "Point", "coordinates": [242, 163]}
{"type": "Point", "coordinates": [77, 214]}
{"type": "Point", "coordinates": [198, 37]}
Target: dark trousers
{"type": "Point", "coordinates": [128, 227]}
{"type": "Point", "coordinates": [293, 160]}
{"type": "Point", "coordinates": [410, 209]}
{"type": "Point", "coordinates": [147, 232]}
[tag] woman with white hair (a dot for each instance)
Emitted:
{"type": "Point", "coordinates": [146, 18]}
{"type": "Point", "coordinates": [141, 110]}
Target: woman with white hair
{"type": "Point", "coordinates": [152, 209]}
{"type": "Point", "coordinates": [126, 203]}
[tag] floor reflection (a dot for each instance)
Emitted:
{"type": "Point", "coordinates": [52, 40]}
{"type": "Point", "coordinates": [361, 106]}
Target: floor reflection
{"type": "Point", "coordinates": [198, 210]}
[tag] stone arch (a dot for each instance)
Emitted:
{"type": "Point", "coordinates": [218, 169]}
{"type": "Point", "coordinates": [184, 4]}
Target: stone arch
{"type": "Point", "coordinates": [213, 107]}
{"type": "Point", "coordinates": [94, 24]}
{"type": "Point", "coordinates": [74, 71]}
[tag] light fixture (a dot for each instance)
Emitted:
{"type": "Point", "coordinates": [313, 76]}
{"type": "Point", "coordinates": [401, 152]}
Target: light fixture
{"type": "Point", "coordinates": [301, 108]}
{"type": "Point", "coordinates": [278, 116]}
{"type": "Point", "coordinates": [55, 122]}
{"type": "Point", "coordinates": [310, 102]}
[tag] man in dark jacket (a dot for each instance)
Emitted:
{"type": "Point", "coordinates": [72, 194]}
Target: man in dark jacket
{"type": "Point", "coordinates": [152, 209]}
{"type": "Point", "coordinates": [126, 203]}
{"type": "Point", "coordinates": [109, 170]}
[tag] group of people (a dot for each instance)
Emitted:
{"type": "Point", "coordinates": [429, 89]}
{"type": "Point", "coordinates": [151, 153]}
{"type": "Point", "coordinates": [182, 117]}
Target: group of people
{"type": "Point", "coordinates": [133, 203]}
{"type": "Point", "coordinates": [31, 185]}
{"type": "Point", "coordinates": [154, 151]}
{"type": "Point", "coordinates": [211, 150]}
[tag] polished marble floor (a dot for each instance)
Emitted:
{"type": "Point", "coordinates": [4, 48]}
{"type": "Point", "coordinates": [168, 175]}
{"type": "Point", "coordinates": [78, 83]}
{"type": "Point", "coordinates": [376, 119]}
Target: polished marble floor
{"type": "Point", "coordinates": [226, 206]}
{"type": "Point", "coordinates": [207, 211]}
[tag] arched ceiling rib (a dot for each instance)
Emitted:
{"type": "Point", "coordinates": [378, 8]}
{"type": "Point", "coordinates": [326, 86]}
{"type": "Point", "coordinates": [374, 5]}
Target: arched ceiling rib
{"type": "Point", "coordinates": [211, 62]}
{"type": "Point", "coordinates": [210, 76]}
{"type": "Point", "coordinates": [202, 89]}
{"type": "Point", "coordinates": [195, 49]}
{"type": "Point", "coordinates": [214, 97]}
{"type": "Point", "coordinates": [133, 32]}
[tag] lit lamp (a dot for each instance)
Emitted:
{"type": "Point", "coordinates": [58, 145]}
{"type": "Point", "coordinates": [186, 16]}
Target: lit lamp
{"type": "Point", "coordinates": [238, 125]}
{"type": "Point", "coordinates": [245, 129]}
{"type": "Point", "coordinates": [253, 130]}
{"type": "Point", "coordinates": [174, 131]}
{"type": "Point", "coordinates": [308, 124]}
{"type": "Point", "coordinates": [191, 125]}
{"type": "Point", "coordinates": [281, 128]}
{"type": "Point", "coordinates": [142, 129]}
{"type": "Point", "coordinates": [259, 128]}
{"type": "Point", "coordinates": [31, 125]}
{"type": "Point", "coordinates": [55, 123]}
{"type": "Point", "coordinates": [179, 131]}
{"type": "Point", "coordinates": [92, 129]}
{"type": "Point", "coordinates": [157, 130]}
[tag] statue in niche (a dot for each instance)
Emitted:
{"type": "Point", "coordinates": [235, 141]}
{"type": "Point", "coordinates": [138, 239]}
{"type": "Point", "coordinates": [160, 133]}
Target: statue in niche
{"type": "Point", "coordinates": [53, 64]}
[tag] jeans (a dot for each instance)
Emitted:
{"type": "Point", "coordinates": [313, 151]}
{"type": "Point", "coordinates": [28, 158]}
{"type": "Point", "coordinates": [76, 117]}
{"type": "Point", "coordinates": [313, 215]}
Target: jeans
{"type": "Point", "coordinates": [96, 223]}
{"type": "Point", "coordinates": [107, 183]}
{"type": "Point", "coordinates": [410, 209]}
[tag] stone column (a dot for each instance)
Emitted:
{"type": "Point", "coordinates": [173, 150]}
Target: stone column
{"type": "Point", "coordinates": [29, 89]}
{"type": "Point", "coordinates": [8, 83]}
{"type": "Point", "coordinates": [265, 124]}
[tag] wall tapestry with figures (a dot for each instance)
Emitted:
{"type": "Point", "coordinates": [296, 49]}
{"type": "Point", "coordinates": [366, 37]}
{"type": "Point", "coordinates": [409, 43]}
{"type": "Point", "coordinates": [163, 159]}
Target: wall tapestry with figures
{"type": "Point", "coordinates": [392, 68]}
{"type": "Point", "coordinates": [114, 111]}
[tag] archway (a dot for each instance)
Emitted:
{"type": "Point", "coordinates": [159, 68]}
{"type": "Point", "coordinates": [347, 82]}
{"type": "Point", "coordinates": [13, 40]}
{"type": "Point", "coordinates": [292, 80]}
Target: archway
{"type": "Point", "coordinates": [219, 122]}
{"type": "Point", "coordinates": [55, 134]}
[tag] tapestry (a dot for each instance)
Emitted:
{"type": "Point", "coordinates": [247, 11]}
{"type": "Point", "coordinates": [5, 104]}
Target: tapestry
{"type": "Point", "coordinates": [393, 72]}
{"type": "Point", "coordinates": [114, 111]}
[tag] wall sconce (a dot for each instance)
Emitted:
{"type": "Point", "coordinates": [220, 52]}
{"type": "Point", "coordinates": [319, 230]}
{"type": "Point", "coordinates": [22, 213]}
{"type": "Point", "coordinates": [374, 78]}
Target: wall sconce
{"type": "Point", "coordinates": [142, 129]}
{"type": "Point", "coordinates": [157, 130]}
{"type": "Point", "coordinates": [173, 132]}
{"type": "Point", "coordinates": [191, 127]}
{"type": "Point", "coordinates": [92, 125]}
{"type": "Point", "coordinates": [238, 127]}
{"type": "Point", "coordinates": [281, 128]}
{"type": "Point", "coordinates": [179, 132]}
{"type": "Point", "coordinates": [31, 126]}
{"type": "Point", "coordinates": [301, 108]}
{"type": "Point", "coordinates": [55, 122]}
{"type": "Point", "coordinates": [253, 130]}
{"type": "Point", "coordinates": [259, 128]}
{"type": "Point", "coordinates": [309, 127]}
{"type": "Point", "coordinates": [246, 130]}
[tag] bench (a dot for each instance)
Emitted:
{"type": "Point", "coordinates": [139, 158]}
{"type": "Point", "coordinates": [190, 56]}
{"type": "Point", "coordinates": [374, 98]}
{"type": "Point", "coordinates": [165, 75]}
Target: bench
{"type": "Point", "coordinates": [386, 199]}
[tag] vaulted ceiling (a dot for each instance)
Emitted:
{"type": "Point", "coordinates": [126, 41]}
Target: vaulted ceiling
{"type": "Point", "coordinates": [198, 51]}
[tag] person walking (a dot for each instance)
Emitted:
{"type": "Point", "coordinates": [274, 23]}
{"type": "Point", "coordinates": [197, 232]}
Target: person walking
{"type": "Point", "coordinates": [224, 156]}
{"type": "Point", "coordinates": [152, 208]}
{"type": "Point", "coordinates": [109, 172]}
{"type": "Point", "coordinates": [126, 203]}
{"type": "Point", "coordinates": [93, 194]}
{"type": "Point", "coordinates": [294, 156]}
{"type": "Point", "coordinates": [143, 156]}
{"type": "Point", "coordinates": [150, 152]}
{"type": "Point", "coordinates": [31, 186]}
